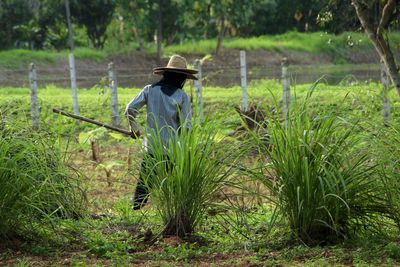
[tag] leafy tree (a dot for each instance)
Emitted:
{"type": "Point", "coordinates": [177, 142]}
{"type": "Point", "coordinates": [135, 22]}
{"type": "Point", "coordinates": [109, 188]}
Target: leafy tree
{"type": "Point", "coordinates": [376, 16]}
{"type": "Point", "coordinates": [95, 15]}
{"type": "Point", "coordinates": [298, 15]}
{"type": "Point", "coordinates": [310, 10]}
{"type": "Point", "coordinates": [338, 16]}
{"type": "Point", "coordinates": [13, 15]}
{"type": "Point", "coordinates": [134, 11]}
{"type": "Point", "coordinates": [51, 20]}
{"type": "Point", "coordinates": [206, 19]}
{"type": "Point", "coordinates": [262, 19]}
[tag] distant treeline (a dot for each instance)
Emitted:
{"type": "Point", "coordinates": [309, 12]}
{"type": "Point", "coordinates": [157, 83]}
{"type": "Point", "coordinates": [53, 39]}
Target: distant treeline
{"type": "Point", "coordinates": [42, 24]}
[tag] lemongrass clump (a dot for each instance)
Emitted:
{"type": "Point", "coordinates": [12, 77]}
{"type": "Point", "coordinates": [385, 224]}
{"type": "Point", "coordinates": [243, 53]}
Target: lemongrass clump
{"type": "Point", "coordinates": [35, 186]}
{"type": "Point", "coordinates": [185, 174]}
{"type": "Point", "coordinates": [387, 150]}
{"type": "Point", "coordinates": [318, 177]}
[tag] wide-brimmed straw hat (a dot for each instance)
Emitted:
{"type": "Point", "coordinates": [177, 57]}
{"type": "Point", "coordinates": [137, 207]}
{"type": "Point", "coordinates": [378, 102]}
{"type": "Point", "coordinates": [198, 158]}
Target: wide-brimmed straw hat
{"type": "Point", "coordinates": [177, 64]}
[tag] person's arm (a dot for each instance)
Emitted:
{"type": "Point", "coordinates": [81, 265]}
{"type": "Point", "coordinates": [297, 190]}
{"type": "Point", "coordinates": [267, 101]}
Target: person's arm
{"type": "Point", "coordinates": [132, 109]}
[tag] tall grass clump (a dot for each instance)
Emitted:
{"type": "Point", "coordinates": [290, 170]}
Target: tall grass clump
{"type": "Point", "coordinates": [387, 150]}
{"type": "Point", "coordinates": [186, 174]}
{"type": "Point", "coordinates": [35, 186]}
{"type": "Point", "coordinates": [319, 178]}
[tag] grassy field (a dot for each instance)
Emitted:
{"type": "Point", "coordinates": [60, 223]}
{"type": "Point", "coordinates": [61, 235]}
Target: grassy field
{"type": "Point", "coordinates": [334, 46]}
{"type": "Point", "coordinates": [242, 236]}
{"type": "Point", "coordinates": [219, 103]}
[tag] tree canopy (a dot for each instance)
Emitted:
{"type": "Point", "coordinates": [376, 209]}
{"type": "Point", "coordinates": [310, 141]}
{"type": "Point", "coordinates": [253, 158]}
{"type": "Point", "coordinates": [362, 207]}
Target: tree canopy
{"type": "Point", "coordinates": [38, 24]}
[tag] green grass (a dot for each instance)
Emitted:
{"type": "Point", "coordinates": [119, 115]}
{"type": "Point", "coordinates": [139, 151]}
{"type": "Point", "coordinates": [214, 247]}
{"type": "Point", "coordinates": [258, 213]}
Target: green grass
{"type": "Point", "coordinates": [335, 46]}
{"type": "Point", "coordinates": [230, 237]}
{"type": "Point", "coordinates": [355, 101]}
{"type": "Point", "coordinates": [386, 152]}
{"type": "Point", "coordinates": [317, 175]}
{"type": "Point", "coordinates": [20, 58]}
{"type": "Point", "coordinates": [185, 177]}
{"type": "Point", "coordinates": [316, 43]}
{"type": "Point", "coordinates": [35, 185]}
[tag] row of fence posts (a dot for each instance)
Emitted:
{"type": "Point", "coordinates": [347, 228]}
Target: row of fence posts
{"type": "Point", "coordinates": [112, 78]}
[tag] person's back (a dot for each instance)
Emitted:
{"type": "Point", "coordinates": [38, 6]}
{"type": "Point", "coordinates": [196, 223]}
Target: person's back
{"type": "Point", "coordinates": [168, 107]}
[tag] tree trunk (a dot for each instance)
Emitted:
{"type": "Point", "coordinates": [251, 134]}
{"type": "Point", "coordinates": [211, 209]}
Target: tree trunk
{"type": "Point", "coordinates": [138, 36]}
{"type": "Point", "coordinates": [376, 36]}
{"type": "Point", "coordinates": [220, 36]}
{"type": "Point", "coordinates": [159, 31]}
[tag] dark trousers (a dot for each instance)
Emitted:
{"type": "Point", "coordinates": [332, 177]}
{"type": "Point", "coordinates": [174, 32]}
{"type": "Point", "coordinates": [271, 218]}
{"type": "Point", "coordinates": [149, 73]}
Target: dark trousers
{"type": "Point", "coordinates": [142, 188]}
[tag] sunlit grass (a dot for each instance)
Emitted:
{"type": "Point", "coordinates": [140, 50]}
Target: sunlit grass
{"type": "Point", "coordinates": [356, 100]}
{"type": "Point", "coordinates": [35, 186]}
{"type": "Point", "coordinates": [20, 58]}
{"type": "Point", "coordinates": [317, 43]}
{"type": "Point", "coordinates": [319, 176]}
{"type": "Point", "coordinates": [185, 174]}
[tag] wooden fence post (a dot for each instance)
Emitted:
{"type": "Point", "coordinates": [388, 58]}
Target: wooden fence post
{"type": "Point", "coordinates": [72, 72]}
{"type": "Point", "coordinates": [112, 79]}
{"type": "Point", "coordinates": [34, 96]}
{"type": "Point", "coordinates": [385, 79]}
{"type": "Point", "coordinates": [286, 89]}
{"type": "Point", "coordinates": [199, 89]}
{"type": "Point", "coordinates": [243, 79]}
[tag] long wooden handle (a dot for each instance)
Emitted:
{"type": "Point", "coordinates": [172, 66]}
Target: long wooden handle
{"type": "Point", "coordinates": [123, 131]}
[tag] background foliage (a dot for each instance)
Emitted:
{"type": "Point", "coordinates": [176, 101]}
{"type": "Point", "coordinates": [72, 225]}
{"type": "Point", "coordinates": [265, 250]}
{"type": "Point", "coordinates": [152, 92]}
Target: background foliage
{"type": "Point", "coordinates": [38, 24]}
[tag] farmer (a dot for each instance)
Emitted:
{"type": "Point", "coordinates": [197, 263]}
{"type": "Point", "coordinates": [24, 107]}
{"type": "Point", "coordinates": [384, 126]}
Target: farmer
{"type": "Point", "coordinates": [168, 106]}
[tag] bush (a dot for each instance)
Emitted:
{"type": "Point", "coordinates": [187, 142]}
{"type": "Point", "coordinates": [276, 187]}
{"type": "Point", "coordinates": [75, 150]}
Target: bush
{"type": "Point", "coordinates": [35, 185]}
{"type": "Point", "coordinates": [186, 175]}
{"type": "Point", "coordinates": [319, 179]}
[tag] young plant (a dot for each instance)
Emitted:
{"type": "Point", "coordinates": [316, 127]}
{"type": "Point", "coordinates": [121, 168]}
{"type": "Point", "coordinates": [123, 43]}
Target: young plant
{"type": "Point", "coordinates": [108, 168]}
{"type": "Point", "coordinates": [319, 179]}
{"type": "Point", "coordinates": [185, 174]}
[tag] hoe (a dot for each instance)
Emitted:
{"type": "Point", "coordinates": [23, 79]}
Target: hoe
{"type": "Point", "coordinates": [81, 118]}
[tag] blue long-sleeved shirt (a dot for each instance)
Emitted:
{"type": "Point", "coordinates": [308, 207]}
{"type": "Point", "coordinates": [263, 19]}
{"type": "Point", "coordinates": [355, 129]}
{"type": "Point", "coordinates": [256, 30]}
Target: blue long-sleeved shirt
{"type": "Point", "coordinates": [163, 111]}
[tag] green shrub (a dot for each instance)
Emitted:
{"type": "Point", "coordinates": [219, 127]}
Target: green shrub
{"type": "Point", "coordinates": [34, 184]}
{"type": "Point", "coordinates": [186, 175]}
{"type": "Point", "coordinates": [319, 179]}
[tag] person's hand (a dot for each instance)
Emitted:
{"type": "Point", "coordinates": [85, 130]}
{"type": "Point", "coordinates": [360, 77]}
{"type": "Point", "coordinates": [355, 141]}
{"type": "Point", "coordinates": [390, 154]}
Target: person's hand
{"type": "Point", "coordinates": [135, 134]}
